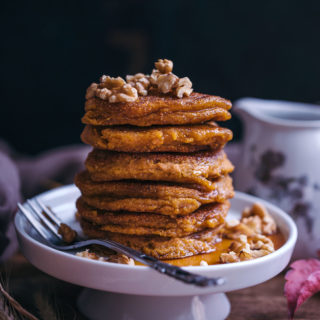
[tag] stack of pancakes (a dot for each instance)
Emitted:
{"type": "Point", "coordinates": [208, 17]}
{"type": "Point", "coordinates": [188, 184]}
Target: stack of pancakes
{"type": "Point", "coordinates": [157, 179]}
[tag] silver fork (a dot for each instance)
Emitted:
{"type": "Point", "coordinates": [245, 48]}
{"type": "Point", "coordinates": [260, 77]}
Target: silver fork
{"type": "Point", "coordinates": [47, 226]}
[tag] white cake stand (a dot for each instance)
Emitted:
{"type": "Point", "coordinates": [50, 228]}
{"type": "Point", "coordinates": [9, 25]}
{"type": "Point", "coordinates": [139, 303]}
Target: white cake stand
{"type": "Point", "coordinates": [114, 291]}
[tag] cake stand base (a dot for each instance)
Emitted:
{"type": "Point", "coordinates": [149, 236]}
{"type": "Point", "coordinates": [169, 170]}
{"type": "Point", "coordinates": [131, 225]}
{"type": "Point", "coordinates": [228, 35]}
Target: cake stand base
{"type": "Point", "coordinates": [100, 305]}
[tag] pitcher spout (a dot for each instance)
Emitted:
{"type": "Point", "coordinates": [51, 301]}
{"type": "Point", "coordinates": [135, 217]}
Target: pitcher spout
{"type": "Point", "coordinates": [279, 113]}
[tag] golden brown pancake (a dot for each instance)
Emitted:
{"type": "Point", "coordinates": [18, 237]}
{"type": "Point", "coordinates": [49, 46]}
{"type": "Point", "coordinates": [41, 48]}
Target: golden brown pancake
{"type": "Point", "coordinates": [145, 196]}
{"type": "Point", "coordinates": [161, 247]}
{"type": "Point", "coordinates": [157, 139]}
{"type": "Point", "coordinates": [157, 110]}
{"type": "Point", "coordinates": [199, 167]}
{"type": "Point", "coordinates": [207, 216]}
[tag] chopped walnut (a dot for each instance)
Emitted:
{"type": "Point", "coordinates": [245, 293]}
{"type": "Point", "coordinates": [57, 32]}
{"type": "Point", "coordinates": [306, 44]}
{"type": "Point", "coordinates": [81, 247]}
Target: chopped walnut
{"type": "Point", "coordinates": [251, 215]}
{"type": "Point", "coordinates": [127, 93]}
{"type": "Point", "coordinates": [249, 236]}
{"type": "Point", "coordinates": [166, 82]}
{"type": "Point", "coordinates": [139, 81]}
{"type": "Point", "coordinates": [164, 65]}
{"type": "Point", "coordinates": [253, 223]}
{"type": "Point", "coordinates": [247, 248]}
{"type": "Point", "coordinates": [121, 258]}
{"type": "Point", "coordinates": [234, 231]}
{"type": "Point", "coordinates": [161, 79]}
{"type": "Point", "coordinates": [232, 223]}
{"type": "Point", "coordinates": [68, 234]}
{"type": "Point", "coordinates": [229, 257]}
{"type": "Point", "coordinates": [203, 263]}
{"type": "Point", "coordinates": [103, 93]}
{"type": "Point", "coordinates": [113, 90]}
{"type": "Point", "coordinates": [153, 78]}
{"type": "Point", "coordinates": [116, 258]}
{"type": "Point", "coordinates": [184, 87]}
{"type": "Point", "coordinates": [89, 255]}
{"type": "Point", "coordinates": [91, 91]}
{"type": "Point", "coordinates": [111, 83]}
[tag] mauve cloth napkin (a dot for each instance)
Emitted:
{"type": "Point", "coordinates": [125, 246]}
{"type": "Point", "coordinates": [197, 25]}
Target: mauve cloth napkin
{"type": "Point", "coordinates": [22, 177]}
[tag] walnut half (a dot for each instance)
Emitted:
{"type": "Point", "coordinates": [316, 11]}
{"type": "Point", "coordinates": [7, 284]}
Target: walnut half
{"type": "Point", "coordinates": [113, 90]}
{"type": "Point", "coordinates": [164, 65]}
{"type": "Point", "coordinates": [139, 81]}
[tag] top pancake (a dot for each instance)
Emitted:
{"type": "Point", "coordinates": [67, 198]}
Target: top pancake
{"type": "Point", "coordinates": [157, 110]}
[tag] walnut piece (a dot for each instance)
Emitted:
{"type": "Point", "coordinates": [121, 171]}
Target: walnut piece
{"type": "Point", "coordinates": [229, 257]}
{"type": "Point", "coordinates": [250, 216]}
{"type": "Point", "coordinates": [116, 258]}
{"type": "Point", "coordinates": [111, 83]}
{"type": "Point", "coordinates": [166, 82]}
{"type": "Point", "coordinates": [232, 223]}
{"type": "Point", "coordinates": [164, 65]}
{"type": "Point", "coordinates": [103, 93]}
{"type": "Point", "coordinates": [139, 81]}
{"type": "Point", "coordinates": [89, 255]}
{"type": "Point", "coordinates": [68, 234]}
{"type": "Point", "coordinates": [121, 258]}
{"type": "Point", "coordinates": [153, 78]}
{"type": "Point", "coordinates": [91, 91]}
{"type": "Point", "coordinates": [127, 93]}
{"type": "Point", "coordinates": [115, 90]}
{"type": "Point", "coordinates": [246, 248]}
{"type": "Point", "coordinates": [249, 235]}
{"type": "Point", "coordinates": [183, 87]}
{"type": "Point", "coordinates": [203, 263]}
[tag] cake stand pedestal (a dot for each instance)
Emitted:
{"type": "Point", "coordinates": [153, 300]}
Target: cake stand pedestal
{"type": "Point", "coordinates": [99, 305]}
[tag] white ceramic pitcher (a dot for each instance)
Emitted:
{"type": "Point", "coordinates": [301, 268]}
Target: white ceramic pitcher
{"type": "Point", "coordinates": [280, 162]}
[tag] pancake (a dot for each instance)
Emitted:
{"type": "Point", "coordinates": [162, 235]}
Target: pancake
{"type": "Point", "coordinates": [157, 110]}
{"type": "Point", "coordinates": [162, 198]}
{"type": "Point", "coordinates": [198, 167]}
{"type": "Point", "coordinates": [157, 139]}
{"type": "Point", "coordinates": [207, 216]}
{"type": "Point", "coordinates": [161, 247]}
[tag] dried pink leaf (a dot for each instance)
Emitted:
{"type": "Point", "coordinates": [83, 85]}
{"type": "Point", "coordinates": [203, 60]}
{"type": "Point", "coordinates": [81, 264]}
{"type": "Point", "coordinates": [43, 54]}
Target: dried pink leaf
{"type": "Point", "coordinates": [302, 281]}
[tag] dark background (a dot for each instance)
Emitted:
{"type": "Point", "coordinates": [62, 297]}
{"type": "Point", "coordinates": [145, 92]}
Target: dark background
{"type": "Point", "coordinates": [52, 50]}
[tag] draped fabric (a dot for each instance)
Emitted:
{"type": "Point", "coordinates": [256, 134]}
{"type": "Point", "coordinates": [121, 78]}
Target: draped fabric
{"type": "Point", "coordinates": [23, 177]}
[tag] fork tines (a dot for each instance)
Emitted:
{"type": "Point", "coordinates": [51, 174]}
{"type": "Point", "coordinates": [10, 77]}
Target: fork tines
{"type": "Point", "coordinates": [41, 218]}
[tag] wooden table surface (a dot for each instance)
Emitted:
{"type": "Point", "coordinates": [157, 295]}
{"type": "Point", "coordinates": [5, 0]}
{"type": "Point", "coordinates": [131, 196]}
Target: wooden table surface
{"type": "Point", "coordinates": [265, 301]}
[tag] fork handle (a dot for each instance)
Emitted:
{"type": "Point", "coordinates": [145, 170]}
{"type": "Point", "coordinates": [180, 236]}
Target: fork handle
{"type": "Point", "coordinates": [162, 267]}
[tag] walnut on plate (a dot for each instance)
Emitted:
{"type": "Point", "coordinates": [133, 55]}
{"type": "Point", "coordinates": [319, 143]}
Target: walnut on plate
{"type": "Point", "coordinates": [259, 219]}
{"type": "Point", "coordinates": [249, 235]}
{"type": "Point", "coordinates": [116, 258]}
